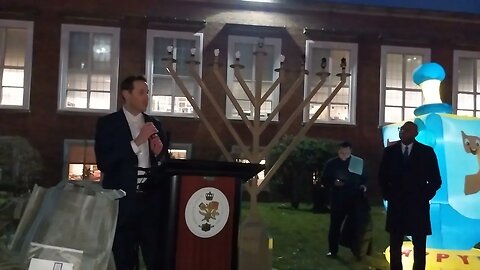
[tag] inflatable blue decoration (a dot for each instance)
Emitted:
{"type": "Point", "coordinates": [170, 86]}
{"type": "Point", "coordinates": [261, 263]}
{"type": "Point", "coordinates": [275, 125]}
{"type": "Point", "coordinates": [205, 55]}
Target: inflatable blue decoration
{"type": "Point", "coordinates": [455, 210]}
{"type": "Point", "coordinates": [428, 71]}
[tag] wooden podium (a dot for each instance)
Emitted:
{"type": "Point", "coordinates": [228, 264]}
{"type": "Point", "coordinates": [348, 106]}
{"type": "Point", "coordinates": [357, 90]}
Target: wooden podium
{"type": "Point", "coordinates": [200, 230]}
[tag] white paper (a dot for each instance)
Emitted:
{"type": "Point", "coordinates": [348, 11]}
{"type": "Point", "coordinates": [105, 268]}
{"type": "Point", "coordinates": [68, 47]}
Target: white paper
{"type": "Point", "coordinates": [39, 264]}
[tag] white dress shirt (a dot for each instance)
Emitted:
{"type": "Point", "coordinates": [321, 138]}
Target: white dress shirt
{"type": "Point", "coordinates": [409, 148]}
{"type": "Point", "coordinates": [136, 122]}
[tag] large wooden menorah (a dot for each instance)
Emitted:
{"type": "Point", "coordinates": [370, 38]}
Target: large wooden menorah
{"type": "Point", "coordinates": [257, 126]}
{"type": "Point", "coordinates": [253, 231]}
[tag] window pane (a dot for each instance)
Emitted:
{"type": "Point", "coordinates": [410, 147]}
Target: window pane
{"type": "Point", "coordinates": [465, 101]}
{"type": "Point", "coordinates": [477, 105]}
{"type": "Point", "coordinates": [394, 74]}
{"type": "Point", "coordinates": [78, 172]}
{"type": "Point", "coordinates": [99, 100]}
{"type": "Point", "coordinates": [177, 153]}
{"type": "Point", "coordinates": [465, 75]}
{"type": "Point", "coordinates": [316, 60]}
{"type": "Point", "coordinates": [100, 82]}
{"type": "Point", "coordinates": [393, 114]}
{"type": "Point", "coordinates": [160, 51]}
{"type": "Point", "coordinates": [334, 64]}
{"type": "Point", "coordinates": [265, 87]}
{"type": "Point", "coordinates": [183, 54]}
{"type": "Point", "coordinates": [339, 112]}
{"type": "Point", "coordinates": [413, 98]}
{"type": "Point", "coordinates": [161, 103]}
{"type": "Point", "coordinates": [266, 109]}
{"type": "Point", "coordinates": [76, 81]}
{"type": "Point", "coordinates": [15, 47]}
{"type": "Point", "coordinates": [313, 109]}
{"type": "Point", "coordinates": [182, 105]}
{"type": "Point", "coordinates": [76, 99]}
{"type": "Point", "coordinates": [75, 171]}
{"type": "Point", "coordinates": [162, 94]}
{"type": "Point", "coordinates": [238, 91]}
{"type": "Point", "coordinates": [102, 52]}
{"type": "Point", "coordinates": [465, 113]}
{"type": "Point", "coordinates": [78, 50]}
{"type": "Point", "coordinates": [342, 96]}
{"type": "Point", "coordinates": [13, 77]}
{"type": "Point", "coordinates": [12, 96]}
{"type": "Point", "coordinates": [246, 107]}
{"type": "Point", "coordinates": [409, 113]}
{"type": "Point", "coordinates": [246, 59]}
{"type": "Point", "coordinates": [412, 62]}
{"type": "Point", "coordinates": [394, 98]}
{"type": "Point", "coordinates": [189, 84]}
{"type": "Point", "coordinates": [162, 86]}
{"type": "Point", "coordinates": [321, 95]}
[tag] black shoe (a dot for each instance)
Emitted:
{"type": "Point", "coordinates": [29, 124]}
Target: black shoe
{"type": "Point", "coordinates": [331, 255]}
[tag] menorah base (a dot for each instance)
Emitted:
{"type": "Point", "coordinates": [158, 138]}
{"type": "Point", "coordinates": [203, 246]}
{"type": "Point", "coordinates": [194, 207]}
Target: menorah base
{"type": "Point", "coordinates": [255, 246]}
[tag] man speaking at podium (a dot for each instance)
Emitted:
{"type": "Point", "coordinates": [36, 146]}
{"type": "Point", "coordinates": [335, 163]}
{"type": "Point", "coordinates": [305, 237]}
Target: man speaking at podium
{"type": "Point", "coordinates": [126, 143]}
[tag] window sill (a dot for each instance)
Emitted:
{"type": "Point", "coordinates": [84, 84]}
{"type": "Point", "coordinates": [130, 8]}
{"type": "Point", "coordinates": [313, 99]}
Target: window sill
{"type": "Point", "coordinates": [14, 109]}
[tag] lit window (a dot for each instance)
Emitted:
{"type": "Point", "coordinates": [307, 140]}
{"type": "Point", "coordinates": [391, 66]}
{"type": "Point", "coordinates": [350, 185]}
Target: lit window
{"type": "Point", "coordinates": [342, 108]}
{"type": "Point", "coordinates": [166, 96]}
{"type": "Point", "coordinates": [80, 161]}
{"type": "Point", "coordinates": [15, 63]}
{"type": "Point", "coordinates": [466, 87]}
{"type": "Point", "coordinates": [399, 95]}
{"type": "Point", "coordinates": [89, 68]}
{"type": "Point", "coordinates": [180, 151]}
{"type": "Point", "coordinates": [246, 47]}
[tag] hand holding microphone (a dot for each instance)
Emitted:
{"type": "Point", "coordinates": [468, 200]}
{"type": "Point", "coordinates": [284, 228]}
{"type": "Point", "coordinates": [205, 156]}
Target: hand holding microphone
{"type": "Point", "coordinates": [146, 132]}
{"type": "Point", "coordinates": [156, 144]}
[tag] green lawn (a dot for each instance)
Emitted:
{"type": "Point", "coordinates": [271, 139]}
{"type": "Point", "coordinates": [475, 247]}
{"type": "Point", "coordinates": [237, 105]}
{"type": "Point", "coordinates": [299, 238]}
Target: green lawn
{"type": "Point", "coordinates": [300, 239]}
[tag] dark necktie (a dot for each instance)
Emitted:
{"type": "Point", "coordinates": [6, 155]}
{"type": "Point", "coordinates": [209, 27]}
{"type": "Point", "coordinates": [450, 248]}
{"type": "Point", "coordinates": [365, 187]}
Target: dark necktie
{"type": "Point", "coordinates": [405, 154]}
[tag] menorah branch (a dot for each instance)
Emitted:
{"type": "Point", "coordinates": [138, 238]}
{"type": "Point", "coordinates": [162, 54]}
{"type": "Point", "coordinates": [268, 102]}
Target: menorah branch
{"type": "Point", "coordinates": [218, 110]}
{"type": "Point", "coordinates": [199, 112]}
{"type": "Point", "coordinates": [232, 98]}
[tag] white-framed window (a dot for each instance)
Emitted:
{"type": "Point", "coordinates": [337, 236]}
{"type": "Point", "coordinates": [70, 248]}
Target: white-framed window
{"type": "Point", "coordinates": [246, 47]}
{"type": "Point", "coordinates": [466, 83]}
{"type": "Point", "coordinates": [342, 108]}
{"type": "Point", "coordinates": [166, 98]}
{"type": "Point", "coordinates": [89, 57]}
{"type": "Point", "coordinates": [399, 95]}
{"type": "Point", "coordinates": [16, 40]}
{"type": "Point", "coordinates": [180, 151]}
{"type": "Point", "coordinates": [79, 160]}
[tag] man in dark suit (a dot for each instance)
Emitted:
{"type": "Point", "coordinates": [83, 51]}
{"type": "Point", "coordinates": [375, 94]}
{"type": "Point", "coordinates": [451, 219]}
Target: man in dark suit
{"type": "Point", "coordinates": [346, 188]}
{"type": "Point", "coordinates": [409, 178]}
{"type": "Point", "coordinates": [125, 142]}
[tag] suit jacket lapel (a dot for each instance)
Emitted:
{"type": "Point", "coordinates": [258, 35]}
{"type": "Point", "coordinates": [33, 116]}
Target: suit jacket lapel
{"type": "Point", "coordinates": [123, 125]}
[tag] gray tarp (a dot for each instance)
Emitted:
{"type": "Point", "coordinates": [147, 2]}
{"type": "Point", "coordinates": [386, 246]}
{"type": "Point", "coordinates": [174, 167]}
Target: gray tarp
{"type": "Point", "coordinates": [71, 222]}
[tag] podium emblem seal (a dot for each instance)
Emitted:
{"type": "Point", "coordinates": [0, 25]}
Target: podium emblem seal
{"type": "Point", "coordinates": [207, 212]}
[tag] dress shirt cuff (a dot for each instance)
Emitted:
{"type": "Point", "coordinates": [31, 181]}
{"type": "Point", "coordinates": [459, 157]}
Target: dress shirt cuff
{"type": "Point", "coordinates": [135, 148]}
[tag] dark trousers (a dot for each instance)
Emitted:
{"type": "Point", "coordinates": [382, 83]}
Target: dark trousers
{"type": "Point", "coordinates": [338, 212]}
{"type": "Point", "coordinates": [419, 251]}
{"type": "Point", "coordinates": [137, 227]}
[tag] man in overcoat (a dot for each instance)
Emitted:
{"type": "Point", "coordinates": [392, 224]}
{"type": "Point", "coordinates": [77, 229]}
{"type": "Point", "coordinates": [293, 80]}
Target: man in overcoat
{"type": "Point", "coordinates": [409, 178]}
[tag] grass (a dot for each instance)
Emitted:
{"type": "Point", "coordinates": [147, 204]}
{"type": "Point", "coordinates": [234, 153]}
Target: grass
{"type": "Point", "coordinates": [301, 239]}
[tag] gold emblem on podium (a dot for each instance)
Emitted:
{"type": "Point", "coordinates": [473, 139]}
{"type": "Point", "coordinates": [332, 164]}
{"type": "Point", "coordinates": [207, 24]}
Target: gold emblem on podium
{"type": "Point", "coordinates": [207, 212]}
